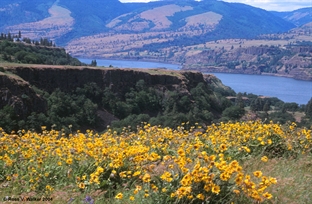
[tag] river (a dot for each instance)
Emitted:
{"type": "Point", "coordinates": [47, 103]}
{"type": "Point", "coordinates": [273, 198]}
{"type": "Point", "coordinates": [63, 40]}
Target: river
{"type": "Point", "coordinates": [286, 89]}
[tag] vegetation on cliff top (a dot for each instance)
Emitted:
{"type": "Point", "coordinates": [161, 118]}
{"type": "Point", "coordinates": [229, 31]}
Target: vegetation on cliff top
{"type": "Point", "coordinates": [37, 53]}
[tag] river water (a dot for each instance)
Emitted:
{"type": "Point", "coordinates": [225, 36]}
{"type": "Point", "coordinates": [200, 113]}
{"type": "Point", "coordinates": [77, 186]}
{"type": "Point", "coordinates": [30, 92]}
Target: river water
{"type": "Point", "coordinates": [286, 89]}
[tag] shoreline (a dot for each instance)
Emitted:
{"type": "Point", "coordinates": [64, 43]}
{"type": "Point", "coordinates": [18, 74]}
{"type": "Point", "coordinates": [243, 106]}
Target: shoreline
{"type": "Point", "coordinates": [250, 72]}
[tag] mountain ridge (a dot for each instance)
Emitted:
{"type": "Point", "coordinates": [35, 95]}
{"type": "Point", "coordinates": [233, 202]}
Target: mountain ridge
{"type": "Point", "coordinates": [90, 19]}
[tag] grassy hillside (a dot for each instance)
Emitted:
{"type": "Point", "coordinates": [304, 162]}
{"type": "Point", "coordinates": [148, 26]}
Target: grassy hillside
{"type": "Point", "coordinates": [65, 21]}
{"type": "Point", "coordinates": [248, 162]}
{"type": "Point", "coordinates": [293, 60]}
{"type": "Point", "coordinates": [179, 24]}
{"type": "Point", "coordinates": [90, 16]}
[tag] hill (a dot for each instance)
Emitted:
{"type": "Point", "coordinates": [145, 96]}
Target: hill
{"type": "Point", "coordinates": [178, 22]}
{"type": "Point", "coordinates": [293, 60]}
{"type": "Point", "coordinates": [13, 12]}
{"type": "Point", "coordinates": [298, 17]}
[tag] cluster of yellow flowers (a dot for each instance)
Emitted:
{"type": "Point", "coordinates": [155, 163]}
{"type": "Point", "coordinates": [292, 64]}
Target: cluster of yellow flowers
{"type": "Point", "coordinates": [182, 163]}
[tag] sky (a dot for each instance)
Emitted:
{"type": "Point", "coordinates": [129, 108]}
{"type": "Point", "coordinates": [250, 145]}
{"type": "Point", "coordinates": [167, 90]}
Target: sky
{"type": "Point", "coordinates": [270, 5]}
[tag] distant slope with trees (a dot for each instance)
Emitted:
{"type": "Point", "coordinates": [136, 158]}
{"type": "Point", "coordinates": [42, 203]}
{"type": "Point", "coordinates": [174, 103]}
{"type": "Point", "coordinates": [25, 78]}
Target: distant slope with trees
{"type": "Point", "coordinates": [92, 17]}
{"type": "Point", "coordinates": [14, 48]}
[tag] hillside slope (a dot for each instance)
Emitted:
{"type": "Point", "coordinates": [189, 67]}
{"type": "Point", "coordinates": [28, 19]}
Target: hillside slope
{"type": "Point", "coordinates": [96, 25]}
{"type": "Point", "coordinates": [298, 17]}
{"type": "Point", "coordinates": [287, 54]}
{"type": "Point", "coordinates": [178, 23]}
{"type": "Point", "coordinates": [58, 24]}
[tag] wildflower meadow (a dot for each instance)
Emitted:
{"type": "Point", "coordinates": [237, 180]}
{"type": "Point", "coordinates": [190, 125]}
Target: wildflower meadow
{"type": "Point", "coordinates": [221, 163]}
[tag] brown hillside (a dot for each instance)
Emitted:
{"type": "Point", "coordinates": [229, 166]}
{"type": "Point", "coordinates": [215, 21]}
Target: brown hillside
{"type": "Point", "coordinates": [59, 23]}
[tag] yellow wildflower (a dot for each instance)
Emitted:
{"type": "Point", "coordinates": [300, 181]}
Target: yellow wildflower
{"type": "Point", "coordinates": [119, 196]}
{"type": "Point", "coordinates": [200, 196]}
{"type": "Point", "coordinates": [257, 174]}
{"type": "Point", "coordinates": [264, 159]}
{"type": "Point", "coordinates": [81, 185]}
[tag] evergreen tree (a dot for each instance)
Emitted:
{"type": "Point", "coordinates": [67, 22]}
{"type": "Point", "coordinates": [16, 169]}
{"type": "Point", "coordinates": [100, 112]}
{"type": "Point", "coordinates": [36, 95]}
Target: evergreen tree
{"type": "Point", "coordinates": [93, 63]}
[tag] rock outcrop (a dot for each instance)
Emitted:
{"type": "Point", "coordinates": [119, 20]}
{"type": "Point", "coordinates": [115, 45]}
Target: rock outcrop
{"type": "Point", "coordinates": [49, 78]}
{"type": "Point", "coordinates": [18, 94]}
{"type": "Point", "coordinates": [17, 83]}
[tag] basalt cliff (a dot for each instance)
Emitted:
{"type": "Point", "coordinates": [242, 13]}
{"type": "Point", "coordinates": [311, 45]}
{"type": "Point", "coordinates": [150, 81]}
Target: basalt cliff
{"type": "Point", "coordinates": [23, 86]}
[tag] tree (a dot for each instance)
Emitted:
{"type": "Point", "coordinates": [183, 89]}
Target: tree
{"type": "Point", "coordinates": [308, 109]}
{"type": "Point", "coordinates": [233, 112]}
{"type": "Point", "coordinates": [291, 107]}
{"type": "Point", "coordinates": [93, 63]}
{"type": "Point", "coordinates": [256, 104]}
{"type": "Point", "coordinates": [8, 118]}
{"type": "Point", "coordinates": [239, 100]}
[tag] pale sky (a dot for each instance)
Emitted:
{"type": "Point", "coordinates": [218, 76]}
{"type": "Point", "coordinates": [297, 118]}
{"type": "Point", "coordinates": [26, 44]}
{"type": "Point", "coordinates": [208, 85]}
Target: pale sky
{"type": "Point", "coordinates": [270, 5]}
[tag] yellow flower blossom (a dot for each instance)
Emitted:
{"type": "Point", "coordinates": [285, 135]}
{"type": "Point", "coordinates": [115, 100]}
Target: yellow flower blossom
{"type": "Point", "coordinates": [257, 174]}
{"type": "Point", "coordinates": [146, 178]}
{"type": "Point", "coordinates": [119, 196]}
{"type": "Point", "coordinates": [200, 196]}
{"type": "Point", "coordinates": [267, 195]}
{"type": "Point", "coordinates": [264, 159]}
{"type": "Point", "coordinates": [81, 185]}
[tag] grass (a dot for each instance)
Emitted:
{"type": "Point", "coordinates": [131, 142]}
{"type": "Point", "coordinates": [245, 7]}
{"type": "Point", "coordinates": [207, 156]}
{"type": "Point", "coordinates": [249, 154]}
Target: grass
{"type": "Point", "coordinates": [294, 178]}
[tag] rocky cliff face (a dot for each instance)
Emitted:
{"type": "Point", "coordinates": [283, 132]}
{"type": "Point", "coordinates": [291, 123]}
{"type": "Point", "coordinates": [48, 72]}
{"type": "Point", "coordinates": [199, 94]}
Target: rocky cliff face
{"type": "Point", "coordinates": [18, 94]}
{"type": "Point", "coordinates": [119, 80]}
{"type": "Point", "coordinates": [17, 88]}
